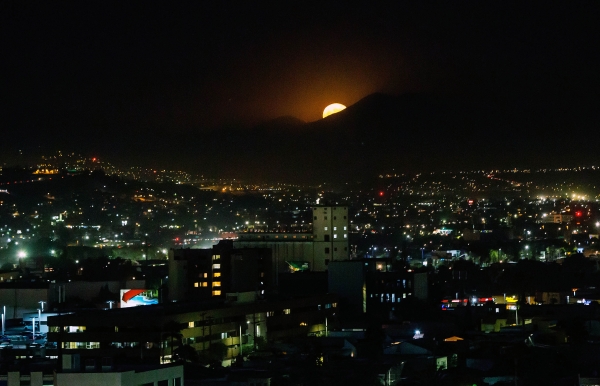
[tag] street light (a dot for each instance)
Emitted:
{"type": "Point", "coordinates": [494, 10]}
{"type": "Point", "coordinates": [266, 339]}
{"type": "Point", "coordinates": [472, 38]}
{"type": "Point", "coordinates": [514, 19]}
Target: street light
{"type": "Point", "coordinates": [42, 304]}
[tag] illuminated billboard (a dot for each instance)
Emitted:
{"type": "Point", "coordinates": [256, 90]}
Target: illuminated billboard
{"type": "Point", "coordinates": [138, 297]}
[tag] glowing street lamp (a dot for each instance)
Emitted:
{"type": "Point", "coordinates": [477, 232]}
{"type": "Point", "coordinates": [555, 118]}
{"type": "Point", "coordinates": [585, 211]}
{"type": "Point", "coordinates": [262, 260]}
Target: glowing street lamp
{"type": "Point", "coordinates": [21, 254]}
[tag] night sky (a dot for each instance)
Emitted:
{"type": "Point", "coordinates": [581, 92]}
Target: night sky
{"type": "Point", "coordinates": [100, 78]}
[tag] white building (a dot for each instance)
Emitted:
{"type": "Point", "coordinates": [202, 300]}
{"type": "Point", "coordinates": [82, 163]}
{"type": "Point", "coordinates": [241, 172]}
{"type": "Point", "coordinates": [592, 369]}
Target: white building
{"type": "Point", "coordinates": [328, 241]}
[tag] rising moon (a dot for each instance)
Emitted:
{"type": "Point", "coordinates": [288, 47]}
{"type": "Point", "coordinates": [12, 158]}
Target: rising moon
{"type": "Point", "coordinates": [332, 109]}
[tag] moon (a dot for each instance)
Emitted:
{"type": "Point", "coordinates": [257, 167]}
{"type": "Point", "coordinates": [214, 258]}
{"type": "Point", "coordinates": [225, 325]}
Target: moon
{"type": "Point", "coordinates": [332, 109]}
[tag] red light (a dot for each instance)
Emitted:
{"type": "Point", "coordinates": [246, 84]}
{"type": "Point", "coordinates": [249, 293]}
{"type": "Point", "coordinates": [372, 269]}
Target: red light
{"type": "Point", "coordinates": [94, 159]}
{"type": "Point", "coordinates": [380, 194]}
{"type": "Point", "coordinates": [578, 214]}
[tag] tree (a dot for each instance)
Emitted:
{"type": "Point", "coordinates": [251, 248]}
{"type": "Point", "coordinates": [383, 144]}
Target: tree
{"type": "Point", "coordinates": [187, 353]}
{"type": "Point", "coordinates": [217, 352]}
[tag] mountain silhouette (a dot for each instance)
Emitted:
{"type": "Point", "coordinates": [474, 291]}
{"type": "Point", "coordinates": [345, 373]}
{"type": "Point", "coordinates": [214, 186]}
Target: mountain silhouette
{"type": "Point", "coordinates": [408, 132]}
{"type": "Point", "coordinates": [377, 134]}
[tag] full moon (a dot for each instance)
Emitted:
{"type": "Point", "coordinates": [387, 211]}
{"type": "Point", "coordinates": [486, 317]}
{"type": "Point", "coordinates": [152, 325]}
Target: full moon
{"type": "Point", "coordinates": [332, 109]}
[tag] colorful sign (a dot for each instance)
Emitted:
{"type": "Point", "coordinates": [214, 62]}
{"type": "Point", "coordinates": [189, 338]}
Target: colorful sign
{"type": "Point", "coordinates": [137, 297]}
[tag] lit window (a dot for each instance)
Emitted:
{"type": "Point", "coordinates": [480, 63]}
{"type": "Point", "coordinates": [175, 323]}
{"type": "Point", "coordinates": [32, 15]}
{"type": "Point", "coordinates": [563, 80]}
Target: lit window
{"type": "Point", "coordinates": [216, 293]}
{"type": "Point", "coordinates": [216, 283]}
{"type": "Point", "coordinates": [190, 324]}
{"type": "Point", "coordinates": [345, 236]}
{"type": "Point", "coordinates": [216, 266]}
{"type": "Point", "coordinates": [335, 236]}
{"type": "Point", "coordinates": [204, 284]}
{"type": "Point", "coordinates": [205, 275]}
{"type": "Point", "coordinates": [217, 274]}
{"type": "Point", "coordinates": [287, 311]}
{"type": "Point", "coordinates": [344, 227]}
{"type": "Point", "coordinates": [324, 228]}
{"type": "Point", "coordinates": [216, 257]}
{"type": "Point", "coordinates": [196, 284]}
{"type": "Point", "coordinates": [335, 228]}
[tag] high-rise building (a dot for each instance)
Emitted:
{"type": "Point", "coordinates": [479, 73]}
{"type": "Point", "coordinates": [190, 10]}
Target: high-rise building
{"type": "Point", "coordinates": [330, 231]}
{"type": "Point", "coordinates": [212, 273]}
{"type": "Point", "coordinates": [293, 251]}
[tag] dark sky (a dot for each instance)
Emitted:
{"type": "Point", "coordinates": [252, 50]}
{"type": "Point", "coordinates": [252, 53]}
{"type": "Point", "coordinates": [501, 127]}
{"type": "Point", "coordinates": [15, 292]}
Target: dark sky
{"type": "Point", "coordinates": [96, 70]}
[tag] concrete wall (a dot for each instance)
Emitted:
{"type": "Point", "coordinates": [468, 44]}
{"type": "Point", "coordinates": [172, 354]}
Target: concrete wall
{"type": "Point", "coordinates": [126, 378]}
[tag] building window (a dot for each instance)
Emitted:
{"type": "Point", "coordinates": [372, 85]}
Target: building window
{"type": "Point", "coordinates": [335, 249]}
{"type": "Point", "coordinates": [335, 217]}
{"type": "Point", "coordinates": [324, 228]}
{"type": "Point", "coordinates": [325, 217]}
{"type": "Point", "coordinates": [327, 250]}
{"type": "Point", "coordinates": [216, 257]}
{"type": "Point", "coordinates": [335, 228]}
{"type": "Point", "coordinates": [315, 217]}
{"type": "Point", "coordinates": [216, 266]}
{"type": "Point", "coordinates": [217, 274]}
{"type": "Point", "coordinates": [345, 236]}
{"type": "Point", "coordinates": [75, 328]}
{"type": "Point", "coordinates": [270, 313]}
{"type": "Point", "coordinates": [287, 311]}
{"type": "Point", "coordinates": [190, 324]}
{"type": "Point", "coordinates": [196, 284]}
{"type": "Point", "coordinates": [216, 293]}
{"type": "Point", "coordinates": [205, 275]}
{"type": "Point", "coordinates": [345, 227]}
{"type": "Point", "coordinates": [335, 235]}
{"type": "Point", "coordinates": [216, 284]}
{"type": "Point", "coordinates": [204, 284]}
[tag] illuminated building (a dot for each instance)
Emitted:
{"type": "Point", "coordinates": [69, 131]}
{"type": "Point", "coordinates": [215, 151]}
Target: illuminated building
{"type": "Point", "coordinates": [110, 337]}
{"type": "Point", "coordinates": [208, 273]}
{"type": "Point", "coordinates": [328, 241]}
